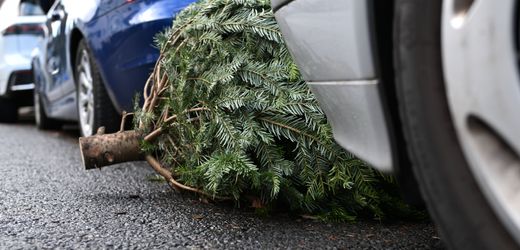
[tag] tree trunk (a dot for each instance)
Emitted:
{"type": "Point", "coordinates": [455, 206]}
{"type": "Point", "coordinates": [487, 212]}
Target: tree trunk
{"type": "Point", "coordinates": [107, 149]}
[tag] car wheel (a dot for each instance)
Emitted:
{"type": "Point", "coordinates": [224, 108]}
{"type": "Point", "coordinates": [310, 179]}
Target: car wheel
{"type": "Point", "coordinates": [42, 121]}
{"type": "Point", "coordinates": [8, 110]}
{"type": "Point", "coordinates": [94, 105]}
{"type": "Point", "coordinates": [469, 213]}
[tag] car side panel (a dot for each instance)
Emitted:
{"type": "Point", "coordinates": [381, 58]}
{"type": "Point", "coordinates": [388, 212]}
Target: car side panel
{"type": "Point", "coordinates": [122, 42]}
{"type": "Point", "coordinates": [330, 40]}
{"type": "Point", "coordinates": [57, 68]}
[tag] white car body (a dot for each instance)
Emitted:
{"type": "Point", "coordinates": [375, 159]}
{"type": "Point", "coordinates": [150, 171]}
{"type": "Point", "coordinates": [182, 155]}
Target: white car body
{"type": "Point", "coordinates": [341, 71]}
{"type": "Point", "coordinates": [16, 47]}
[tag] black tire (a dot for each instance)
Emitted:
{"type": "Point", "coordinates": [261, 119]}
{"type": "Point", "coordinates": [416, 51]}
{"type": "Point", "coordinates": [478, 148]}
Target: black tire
{"type": "Point", "coordinates": [8, 111]}
{"type": "Point", "coordinates": [43, 122]}
{"type": "Point", "coordinates": [463, 215]}
{"type": "Point", "coordinates": [105, 113]}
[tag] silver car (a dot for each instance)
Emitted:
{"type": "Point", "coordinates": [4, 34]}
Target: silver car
{"type": "Point", "coordinates": [426, 90]}
{"type": "Point", "coordinates": [20, 30]}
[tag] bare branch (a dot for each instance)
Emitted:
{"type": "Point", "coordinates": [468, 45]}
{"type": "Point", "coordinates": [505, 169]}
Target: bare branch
{"type": "Point", "coordinates": [156, 165]}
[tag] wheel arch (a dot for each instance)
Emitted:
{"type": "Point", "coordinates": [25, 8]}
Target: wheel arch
{"type": "Point", "coordinates": [383, 19]}
{"type": "Point", "coordinates": [75, 37]}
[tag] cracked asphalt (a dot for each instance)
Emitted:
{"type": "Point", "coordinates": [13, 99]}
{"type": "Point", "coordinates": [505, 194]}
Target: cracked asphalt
{"type": "Point", "coordinates": [48, 201]}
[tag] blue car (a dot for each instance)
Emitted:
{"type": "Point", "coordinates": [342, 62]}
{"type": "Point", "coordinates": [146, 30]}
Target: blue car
{"type": "Point", "coordinates": [96, 56]}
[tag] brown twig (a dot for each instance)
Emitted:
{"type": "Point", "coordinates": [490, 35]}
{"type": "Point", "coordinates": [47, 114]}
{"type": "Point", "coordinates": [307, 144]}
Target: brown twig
{"type": "Point", "coordinates": [158, 131]}
{"type": "Point", "coordinates": [123, 120]}
{"type": "Point", "coordinates": [170, 119]}
{"type": "Point", "coordinates": [164, 114]}
{"type": "Point", "coordinates": [156, 165]}
{"type": "Point", "coordinates": [175, 153]}
{"type": "Point", "coordinates": [151, 136]}
{"type": "Point", "coordinates": [197, 109]}
{"type": "Point", "coordinates": [177, 150]}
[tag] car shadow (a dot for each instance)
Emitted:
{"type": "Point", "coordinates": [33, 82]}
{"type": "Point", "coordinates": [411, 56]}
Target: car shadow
{"type": "Point", "coordinates": [26, 118]}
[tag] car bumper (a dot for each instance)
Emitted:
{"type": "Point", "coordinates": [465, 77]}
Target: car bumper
{"type": "Point", "coordinates": [16, 76]}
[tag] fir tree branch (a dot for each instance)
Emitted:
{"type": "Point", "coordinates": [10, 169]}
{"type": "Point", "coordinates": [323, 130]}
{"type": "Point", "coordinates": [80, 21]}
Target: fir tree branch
{"type": "Point", "coordinates": [290, 128]}
{"type": "Point", "coordinates": [158, 131]}
{"type": "Point", "coordinates": [156, 165]}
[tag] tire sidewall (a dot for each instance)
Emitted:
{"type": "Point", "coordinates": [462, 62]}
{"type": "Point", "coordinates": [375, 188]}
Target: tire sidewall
{"type": "Point", "coordinates": [104, 112]}
{"type": "Point", "coordinates": [463, 215]}
{"type": "Point", "coordinates": [82, 47]}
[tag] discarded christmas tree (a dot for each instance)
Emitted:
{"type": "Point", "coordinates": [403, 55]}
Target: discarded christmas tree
{"type": "Point", "coordinates": [227, 115]}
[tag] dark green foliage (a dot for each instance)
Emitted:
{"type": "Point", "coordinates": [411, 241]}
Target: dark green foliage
{"type": "Point", "coordinates": [246, 123]}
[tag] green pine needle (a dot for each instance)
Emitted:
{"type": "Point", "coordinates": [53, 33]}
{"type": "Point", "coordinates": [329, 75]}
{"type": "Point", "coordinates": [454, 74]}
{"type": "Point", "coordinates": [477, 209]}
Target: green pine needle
{"type": "Point", "coordinates": [261, 133]}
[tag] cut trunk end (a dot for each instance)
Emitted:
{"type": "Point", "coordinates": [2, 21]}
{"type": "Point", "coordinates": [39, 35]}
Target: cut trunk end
{"type": "Point", "coordinates": [107, 149]}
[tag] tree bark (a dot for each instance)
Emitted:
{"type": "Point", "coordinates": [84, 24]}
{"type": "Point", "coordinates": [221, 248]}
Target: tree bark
{"type": "Point", "coordinates": [107, 149]}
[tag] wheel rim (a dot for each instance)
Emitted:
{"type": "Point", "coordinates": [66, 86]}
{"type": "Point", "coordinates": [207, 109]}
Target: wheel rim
{"type": "Point", "coordinates": [483, 90]}
{"type": "Point", "coordinates": [85, 95]}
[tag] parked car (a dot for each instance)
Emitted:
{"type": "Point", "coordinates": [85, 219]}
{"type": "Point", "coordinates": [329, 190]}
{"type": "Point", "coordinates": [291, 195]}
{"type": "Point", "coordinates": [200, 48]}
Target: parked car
{"type": "Point", "coordinates": [428, 90]}
{"type": "Point", "coordinates": [96, 57]}
{"type": "Point", "coordinates": [20, 30]}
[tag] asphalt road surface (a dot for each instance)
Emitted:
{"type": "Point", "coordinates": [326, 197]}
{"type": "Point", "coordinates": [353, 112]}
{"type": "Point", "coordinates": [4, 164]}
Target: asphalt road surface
{"type": "Point", "coordinates": [48, 201]}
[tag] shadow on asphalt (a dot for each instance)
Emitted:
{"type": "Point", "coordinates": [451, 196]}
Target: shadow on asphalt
{"type": "Point", "coordinates": [69, 129]}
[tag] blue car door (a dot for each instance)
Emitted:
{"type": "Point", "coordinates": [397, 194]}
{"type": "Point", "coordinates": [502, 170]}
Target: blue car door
{"type": "Point", "coordinates": [57, 65]}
